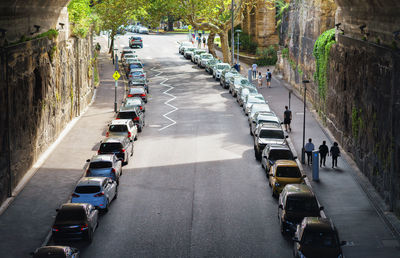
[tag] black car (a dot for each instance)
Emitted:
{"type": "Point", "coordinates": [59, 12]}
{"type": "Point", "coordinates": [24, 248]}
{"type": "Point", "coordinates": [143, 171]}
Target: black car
{"type": "Point", "coordinates": [133, 113]}
{"type": "Point", "coordinates": [317, 237]}
{"type": "Point", "coordinates": [296, 202]}
{"type": "Point", "coordinates": [274, 152]}
{"type": "Point", "coordinates": [55, 252]}
{"type": "Point", "coordinates": [122, 147]}
{"type": "Point", "coordinates": [75, 221]}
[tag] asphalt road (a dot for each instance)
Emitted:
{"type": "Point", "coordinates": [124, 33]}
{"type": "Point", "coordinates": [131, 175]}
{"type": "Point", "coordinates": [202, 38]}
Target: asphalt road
{"type": "Point", "coordinates": [191, 189]}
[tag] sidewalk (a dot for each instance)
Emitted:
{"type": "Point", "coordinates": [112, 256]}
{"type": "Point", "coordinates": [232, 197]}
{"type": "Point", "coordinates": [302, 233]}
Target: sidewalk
{"type": "Point", "coordinates": [349, 199]}
{"type": "Point", "coordinates": [27, 221]}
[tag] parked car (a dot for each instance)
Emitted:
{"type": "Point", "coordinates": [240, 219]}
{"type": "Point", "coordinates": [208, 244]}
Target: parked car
{"type": "Point", "coordinates": [254, 116]}
{"type": "Point", "coordinates": [75, 221]}
{"type": "Point", "coordinates": [267, 134]}
{"type": "Point", "coordinates": [238, 83]}
{"type": "Point", "coordinates": [296, 202]}
{"type": "Point", "coordinates": [229, 81]}
{"type": "Point", "coordinates": [250, 102]}
{"type": "Point", "coordinates": [133, 66]}
{"type": "Point", "coordinates": [196, 54]}
{"type": "Point", "coordinates": [126, 51]}
{"type": "Point", "coordinates": [274, 152]}
{"type": "Point", "coordinates": [133, 113]}
{"type": "Point", "coordinates": [188, 52]}
{"type": "Point", "coordinates": [243, 92]}
{"type": "Point", "coordinates": [122, 127]}
{"type": "Point", "coordinates": [135, 82]}
{"type": "Point", "coordinates": [138, 91]}
{"type": "Point", "coordinates": [284, 172]}
{"type": "Point", "coordinates": [203, 58]}
{"type": "Point", "coordinates": [127, 56]}
{"type": "Point", "coordinates": [55, 251]}
{"type": "Point", "coordinates": [122, 147]}
{"type": "Point", "coordinates": [136, 75]}
{"type": "Point", "coordinates": [264, 118]}
{"type": "Point", "coordinates": [217, 71]}
{"type": "Point", "coordinates": [143, 30]}
{"type": "Point", "coordinates": [135, 102]}
{"type": "Point", "coordinates": [135, 41]}
{"type": "Point", "coordinates": [211, 64]}
{"type": "Point", "coordinates": [253, 93]}
{"type": "Point", "coordinates": [317, 237]}
{"type": "Point", "coordinates": [257, 108]}
{"type": "Point", "coordinates": [184, 44]}
{"type": "Point", "coordinates": [225, 75]}
{"type": "Point", "coordinates": [98, 191]}
{"type": "Point", "coordinates": [105, 165]}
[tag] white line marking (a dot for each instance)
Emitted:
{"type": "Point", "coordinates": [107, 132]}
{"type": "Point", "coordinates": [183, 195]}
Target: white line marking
{"type": "Point", "coordinates": [173, 122]}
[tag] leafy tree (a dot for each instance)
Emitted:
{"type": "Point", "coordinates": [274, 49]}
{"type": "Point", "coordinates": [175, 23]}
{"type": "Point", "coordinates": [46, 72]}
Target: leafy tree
{"type": "Point", "coordinates": [81, 17]}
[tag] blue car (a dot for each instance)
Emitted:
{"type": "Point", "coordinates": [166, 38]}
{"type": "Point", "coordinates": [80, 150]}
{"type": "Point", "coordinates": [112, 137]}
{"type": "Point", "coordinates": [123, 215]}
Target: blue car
{"type": "Point", "coordinates": [105, 165]}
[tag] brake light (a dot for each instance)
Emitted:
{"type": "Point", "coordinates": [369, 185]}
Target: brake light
{"type": "Point", "coordinates": [136, 119]}
{"type": "Point", "coordinates": [130, 95]}
{"type": "Point", "coordinates": [84, 226]}
{"type": "Point", "coordinates": [107, 134]}
{"type": "Point", "coordinates": [123, 150]}
{"type": "Point", "coordinates": [99, 194]}
{"type": "Point", "coordinates": [143, 95]}
{"type": "Point", "coordinates": [142, 75]}
{"type": "Point", "coordinates": [75, 195]}
{"type": "Point", "coordinates": [55, 228]}
{"type": "Point", "coordinates": [98, 152]}
{"type": "Point", "coordinates": [129, 134]}
{"type": "Point", "coordinates": [141, 107]}
{"type": "Point", "coordinates": [113, 170]}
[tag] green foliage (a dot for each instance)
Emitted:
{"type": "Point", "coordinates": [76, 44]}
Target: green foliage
{"type": "Point", "coordinates": [80, 16]}
{"type": "Point", "coordinates": [52, 51]}
{"type": "Point", "coordinates": [285, 53]}
{"type": "Point", "coordinates": [281, 7]}
{"type": "Point", "coordinates": [50, 34]}
{"type": "Point", "coordinates": [321, 51]}
{"type": "Point", "coordinates": [268, 56]}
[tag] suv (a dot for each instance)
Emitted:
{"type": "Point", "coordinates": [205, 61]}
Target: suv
{"type": "Point", "coordinates": [263, 118]}
{"type": "Point", "coordinates": [296, 202]}
{"type": "Point", "coordinates": [217, 71]}
{"type": "Point", "coordinates": [106, 165]}
{"type": "Point", "coordinates": [274, 152]}
{"type": "Point", "coordinates": [284, 172]}
{"type": "Point", "coordinates": [122, 147]}
{"type": "Point", "coordinates": [317, 237]}
{"type": "Point", "coordinates": [224, 75]}
{"type": "Point", "coordinates": [75, 221]}
{"type": "Point", "coordinates": [210, 64]}
{"type": "Point", "coordinates": [203, 59]}
{"type": "Point", "coordinates": [133, 113]}
{"type": "Point", "coordinates": [188, 52]}
{"type": "Point", "coordinates": [138, 91]}
{"type": "Point", "coordinates": [122, 127]}
{"type": "Point", "coordinates": [267, 134]}
{"type": "Point", "coordinates": [135, 41]}
{"type": "Point", "coordinates": [196, 54]}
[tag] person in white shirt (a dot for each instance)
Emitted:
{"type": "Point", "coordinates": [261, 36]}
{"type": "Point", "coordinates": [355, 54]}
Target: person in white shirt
{"type": "Point", "coordinates": [254, 70]}
{"type": "Point", "coordinates": [308, 149]}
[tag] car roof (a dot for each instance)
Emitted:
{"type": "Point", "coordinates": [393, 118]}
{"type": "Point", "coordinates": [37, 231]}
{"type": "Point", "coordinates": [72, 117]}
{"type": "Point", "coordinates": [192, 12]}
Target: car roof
{"type": "Point", "coordinates": [318, 224]}
{"type": "Point", "coordinates": [51, 250]}
{"type": "Point", "coordinates": [127, 109]}
{"type": "Point", "coordinates": [73, 206]}
{"type": "Point", "coordinates": [91, 181]}
{"type": "Point", "coordinates": [268, 116]}
{"type": "Point", "coordinates": [120, 121]}
{"type": "Point", "coordinates": [286, 163]}
{"type": "Point", "coordinates": [114, 139]}
{"type": "Point", "coordinates": [102, 157]}
{"type": "Point", "coordinates": [278, 147]}
{"type": "Point", "coordinates": [299, 190]}
{"type": "Point", "coordinates": [270, 126]}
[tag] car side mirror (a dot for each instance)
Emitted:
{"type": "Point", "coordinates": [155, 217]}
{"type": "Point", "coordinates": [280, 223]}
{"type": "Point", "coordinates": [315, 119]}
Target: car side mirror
{"type": "Point", "coordinates": [304, 176]}
{"type": "Point", "coordinates": [280, 206]}
{"type": "Point", "coordinates": [281, 123]}
{"type": "Point", "coordinates": [253, 122]}
{"type": "Point", "coordinates": [295, 157]}
{"type": "Point", "coordinates": [295, 239]}
{"type": "Point", "coordinates": [321, 208]}
{"type": "Point", "coordinates": [287, 136]}
{"type": "Point", "coordinates": [343, 243]}
{"type": "Point", "coordinates": [57, 210]}
{"type": "Point", "coordinates": [131, 140]}
{"type": "Point", "coordinates": [88, 160]}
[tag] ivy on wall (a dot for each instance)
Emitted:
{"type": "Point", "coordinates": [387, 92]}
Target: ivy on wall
{"type": "Point", "coordinates": [321, 51]}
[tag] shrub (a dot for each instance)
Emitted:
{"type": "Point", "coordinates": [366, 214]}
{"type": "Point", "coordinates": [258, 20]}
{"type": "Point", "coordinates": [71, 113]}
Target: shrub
{"type": "Point", "coordinates": [267, 56]}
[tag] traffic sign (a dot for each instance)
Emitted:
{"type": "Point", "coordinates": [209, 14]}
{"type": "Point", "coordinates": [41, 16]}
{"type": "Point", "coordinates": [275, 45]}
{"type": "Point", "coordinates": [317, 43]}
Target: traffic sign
{"type": "Point", "coordinates": [190, 27]}
{"type": "Point", "coordinates": [116, 75]}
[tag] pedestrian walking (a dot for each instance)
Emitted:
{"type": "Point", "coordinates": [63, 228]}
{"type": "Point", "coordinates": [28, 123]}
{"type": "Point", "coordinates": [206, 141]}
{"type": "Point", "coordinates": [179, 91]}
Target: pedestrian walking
{"type": "Point", "coordinates": [259, 80]}
{"type": "Point", "coordinates": [236, 66]}
{"type": "Point", "coordinates": [323, 151]}
{"type": "Point", "coordinates": [335, 153]}
{"type": "Point", "coordinates": [287, 118]}
{"type": "Point", "coordinates": [204, 42]}
{"type": "Point", "coordinates": [309, 149]}
{"type": "Point", "coordinates": [269, 77]}
{"type": "Point", "coordinates": [199, 41]}
{"type": "Point", "coordinates": [254, 66]}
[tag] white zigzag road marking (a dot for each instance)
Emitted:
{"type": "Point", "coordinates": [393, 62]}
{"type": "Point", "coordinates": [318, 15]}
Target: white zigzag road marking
{"type": "Point", "coordinates": [173, 122]}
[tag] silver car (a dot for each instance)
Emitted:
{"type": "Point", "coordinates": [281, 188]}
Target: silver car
{"type": "Point", "coordinates": [218, 70]}
{"type": "Point", "coordinates": [188, 52]}
{"type": "Point", "coordinates": [262, 119]}
{"type": "Point", "coordinates": [256, 108]}
{"type": "Point", "coordinates": [105, 165]}
{"type": "Point", "coordinates": [122, 127]}
{"type": "Point", "coordinates": [203, 59]}
{"type": "Point", "coordinates": [250, 102]}
{"type": "Point", "coordinates": [196, 54]}
{"type": "Point", "coordinates": [239, 83]}
{"type": "Point", "coordinates": [242, 94]}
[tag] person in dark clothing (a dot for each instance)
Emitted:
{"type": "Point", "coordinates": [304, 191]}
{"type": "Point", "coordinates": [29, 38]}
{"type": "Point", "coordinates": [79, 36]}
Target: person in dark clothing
{"type": "Point", "coordinates": [309, 149]}
{"type": "Point", "coordinates": [335, 153]}
{"type": "Point", "coordinates": [323, 151]}
{"type": "Point", "coordinates": [287, 118]}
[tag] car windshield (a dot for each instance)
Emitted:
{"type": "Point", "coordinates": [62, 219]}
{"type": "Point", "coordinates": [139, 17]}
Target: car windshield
{"type": "Point", "coordinates": [137, 73]}
{"type": "Point", "coordinates": [117, 128]}
{"type": "Point", "coordinates": [110, 147]}
{"type": "Point", "coordinates": [70, 215]}
{"type": "Point", "coordinates": [207, 56]}
{"type": "Point", "coordinates": [261, 121]}
{"type": "Point", "coordinates": [136, 90]}
{"type": "Point", "coordinates": [135, 66]}
{"type": "Point", "coordinates": [133, 102]}
{"type": "Point", "coordinates": [255, 108]}
{"type": "Point", "coordinates": [255, 100]}
{"type": "Point", "coordinates": [272, 134]}
{"type": "Point", "coordinates": [126, 115]}
{"type": "Point", "coordinates": [301, 204]}
{"type": "Point", "coordinates": [199, 52]}
{"type": "Point", "coordinates": [222, 67]}
{"type": "Point", "coordinates": [280, 154]}
{"type": "Point", "coordinates": [291, 172]}
{"type": "Point", "coordinates": [45, 253]}
{"type": "Point", "coordinates": [320, 239]}
{"type": "Point", "coordinates": [87, 189]}
{"type": "Point", "coordinates": [190, 49]}
{"type": "Point", "coordinates": [100, 164]}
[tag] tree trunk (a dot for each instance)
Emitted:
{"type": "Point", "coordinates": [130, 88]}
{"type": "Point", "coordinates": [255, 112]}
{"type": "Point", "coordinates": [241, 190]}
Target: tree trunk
{"type": "Point", "coordinates": [210, 43]}
{"type": "Point", "coordinates": [225, 46]}
{"type": "Point", "coordinates": [170, 23]}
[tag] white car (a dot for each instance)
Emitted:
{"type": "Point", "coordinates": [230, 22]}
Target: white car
{"type": "Point", "coordinates": [122, 127]}
{"type": "Point", "coordinates": [183, 45]}
{"type": "Point", "coordinates": [256, 108]}
{"type": "Point", "coordinates": [250, 102]}
{"type": "Point", "coordinates": [98, 191]}
{"type": "Point", "coordinates": [218, 70]}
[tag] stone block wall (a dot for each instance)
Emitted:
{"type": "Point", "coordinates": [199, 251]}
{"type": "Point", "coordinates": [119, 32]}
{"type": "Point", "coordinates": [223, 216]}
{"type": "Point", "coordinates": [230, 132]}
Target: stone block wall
{"type": "Point", "coordinates": [46, 84]}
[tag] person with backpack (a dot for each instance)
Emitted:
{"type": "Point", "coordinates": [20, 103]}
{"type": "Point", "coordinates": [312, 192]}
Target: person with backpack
{"type": "Point", "coordinates": [269, 77]}
{"type": "Point", "coordinates": [323, 151]}
{"type": "Point", "coordinates": [335, 153]}
{"type": "Point", "coordinates": [287, 118]}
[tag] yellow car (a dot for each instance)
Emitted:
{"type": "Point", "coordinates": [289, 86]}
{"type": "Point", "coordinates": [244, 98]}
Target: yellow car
{"type": "Point", "coordinates": [284, 172]}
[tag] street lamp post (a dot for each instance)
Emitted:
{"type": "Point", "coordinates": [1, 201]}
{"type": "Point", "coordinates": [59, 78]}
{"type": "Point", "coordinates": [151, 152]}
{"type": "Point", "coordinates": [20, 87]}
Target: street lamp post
{"type": "Point", "coordinates": [232, 34]}
{"type": "Point", "coordinates": [238, 35]}
{"type": "Point", "coordinates": [116, 81]}
{"type": "Point", "coordinates": [303, 160]}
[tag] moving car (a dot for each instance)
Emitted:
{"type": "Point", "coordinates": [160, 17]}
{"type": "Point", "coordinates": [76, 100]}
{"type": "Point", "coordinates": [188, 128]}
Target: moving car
{"type": "Point", "coordinates": [98, 191]}
{"type": "Point", "coordinates": [317, 237]}
{"type": "Point", "coordinates": [55, 251]}
{"type": "Point", "coordinates": [274, 152]}
{"type": "Point", "coordinates": [75, 221]}
{"type": "Point", "coordinates": [284, 172]}
{"type": "Point", "coordinates": [122, 147]}
{"type": "Point", "coordinates": [133, 113]}
{"type": "Point", "coordinates": [135, 41]}
{"type": "Point", "coordinates": [267, 134]}
{"type": "Point", "coordinates": [122, 127]}
{"type": "Point", "coordinates": [105, 165]}
{"type": "Point", "coordinates": [137, 91]}
{"type": "Point", "coordinates": [217, 71]}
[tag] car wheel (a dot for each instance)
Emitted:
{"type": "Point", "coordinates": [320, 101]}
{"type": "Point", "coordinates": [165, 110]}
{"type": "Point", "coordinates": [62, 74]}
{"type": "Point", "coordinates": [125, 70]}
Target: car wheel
{"type": "Point", "coordinates": [116, 194]}
{"type": "Point", "coordinates": [89, 236]}
{"type": "Point", "coordinates": [230, 91]}
{"type": "Point", "coordinates": [135, 137]}
{"type": "Point", "coordinates": [106, 208]}
{"type": "Point", "coordinates": [220, 83]}
{"type": "Point", "coordinates": [139, 129]}
{"type": "Point", "coordinates": [257, 155]}
{"type": "Point", "coordinates": [251, 132]}
{"type": "Point", "coordinates": [213, 76]}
